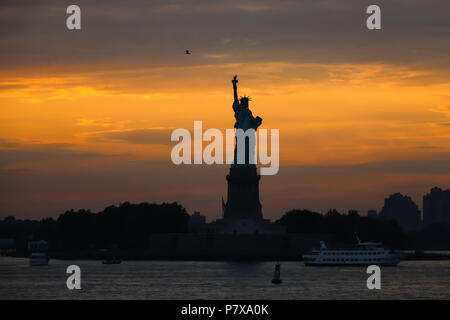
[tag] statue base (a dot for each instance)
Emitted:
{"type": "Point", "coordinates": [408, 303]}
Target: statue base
{"type": "Point", "coordinates": [243, 194]}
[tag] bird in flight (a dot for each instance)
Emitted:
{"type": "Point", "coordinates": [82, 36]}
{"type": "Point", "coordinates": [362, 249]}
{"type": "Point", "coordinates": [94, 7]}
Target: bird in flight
{"type": "Point", "coordinates": [188, 52]}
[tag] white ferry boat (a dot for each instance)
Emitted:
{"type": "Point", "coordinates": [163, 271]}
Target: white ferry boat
{"type": "Point", "coordinates": [366, 253]}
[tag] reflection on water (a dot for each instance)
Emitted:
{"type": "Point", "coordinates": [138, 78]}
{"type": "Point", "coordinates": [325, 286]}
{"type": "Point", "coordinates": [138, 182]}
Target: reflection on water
{"type": "Point", "coordinates": [220, 280]}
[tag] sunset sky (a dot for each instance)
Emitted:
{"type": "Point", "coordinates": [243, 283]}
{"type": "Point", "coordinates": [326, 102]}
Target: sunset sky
{"type": "Point", "coordinates": [86, 116]}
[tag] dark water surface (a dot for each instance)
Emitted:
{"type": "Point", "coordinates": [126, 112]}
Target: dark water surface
{"type": "Point", "coordinates": [220, 280]}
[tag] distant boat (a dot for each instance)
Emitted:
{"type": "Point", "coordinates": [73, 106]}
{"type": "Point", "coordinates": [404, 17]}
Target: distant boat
{"type": "Point", "coordinates": [39, 259]}
{"type": "Point", "coordinates": [366, 253]}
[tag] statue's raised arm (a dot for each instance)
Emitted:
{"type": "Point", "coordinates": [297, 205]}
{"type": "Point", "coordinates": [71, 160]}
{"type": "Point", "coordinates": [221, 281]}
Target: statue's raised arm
{"type": "Point", "coordinates": [235, 81]}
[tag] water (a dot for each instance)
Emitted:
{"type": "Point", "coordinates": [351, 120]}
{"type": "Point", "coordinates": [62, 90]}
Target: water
{"type": "Point", "coordinates": [220, 280]}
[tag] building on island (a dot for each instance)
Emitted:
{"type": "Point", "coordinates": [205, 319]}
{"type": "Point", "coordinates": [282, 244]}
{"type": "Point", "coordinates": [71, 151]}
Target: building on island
{"type": "Point", "coordinates": [436, 206]}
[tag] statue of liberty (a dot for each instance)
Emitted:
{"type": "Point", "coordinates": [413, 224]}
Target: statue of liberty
{"type": "Point", "coordinates": [243, 179]}
{"type": "Point", "coordinates": [245, 121]}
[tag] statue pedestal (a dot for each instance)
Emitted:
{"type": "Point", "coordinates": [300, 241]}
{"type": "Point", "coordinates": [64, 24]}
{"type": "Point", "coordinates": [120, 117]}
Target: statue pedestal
{"type": "Point", "coordinates": [243, 194]}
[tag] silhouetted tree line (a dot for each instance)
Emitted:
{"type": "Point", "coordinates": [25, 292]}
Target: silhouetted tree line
{"type": "Point", "coordinates": [19, 230]}
{"type": "Point", "coordinates": [344, 227]}
{"type": "Point", "coordinates": [432, 237]}
{"type": "Point", "coordinates": [126, 226]}
{"type": "Point", "coordinates": [129, 226]}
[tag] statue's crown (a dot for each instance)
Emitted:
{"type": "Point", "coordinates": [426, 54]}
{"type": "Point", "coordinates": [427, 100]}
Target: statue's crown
{"type": "Point", "coordinates": [247, 98]}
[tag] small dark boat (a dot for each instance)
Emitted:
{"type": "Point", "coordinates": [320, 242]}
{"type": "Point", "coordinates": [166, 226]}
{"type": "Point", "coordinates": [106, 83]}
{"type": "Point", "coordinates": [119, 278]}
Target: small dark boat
{"type": "Point", "coordinates": [39, 259]}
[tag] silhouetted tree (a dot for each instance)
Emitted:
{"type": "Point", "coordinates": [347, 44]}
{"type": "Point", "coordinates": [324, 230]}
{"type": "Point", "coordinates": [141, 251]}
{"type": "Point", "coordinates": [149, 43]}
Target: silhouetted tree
{"type": "Point", "coordinates": [432, 237]}
{"type": "Point", "coordinates": [127, 226]}
{"type": "Point", "coordinates": [19, 230]}
{"type": "Point", "coordinates": [302, 221]}
{"type": "Point", "coordinates": [344, 226]}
